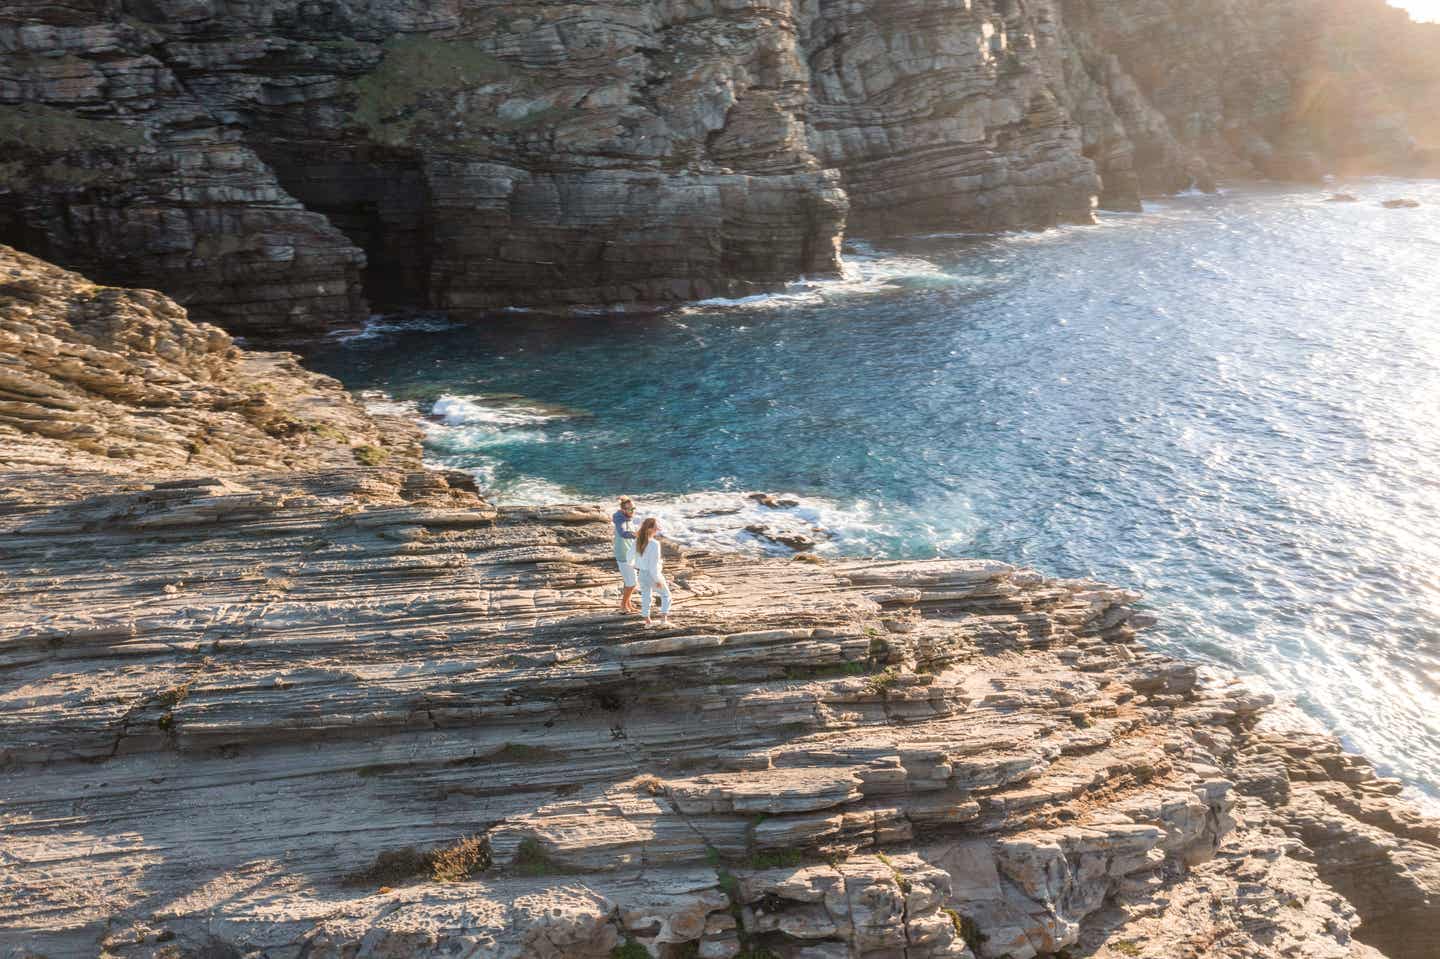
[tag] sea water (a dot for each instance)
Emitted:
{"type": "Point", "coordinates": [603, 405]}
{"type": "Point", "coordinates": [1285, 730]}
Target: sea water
{"type": "Point", "coordinates": [1230, 403]}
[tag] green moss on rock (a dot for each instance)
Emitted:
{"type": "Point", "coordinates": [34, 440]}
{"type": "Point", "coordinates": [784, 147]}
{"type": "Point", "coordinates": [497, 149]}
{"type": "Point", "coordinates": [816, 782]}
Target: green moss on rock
{"type": "Point", "coordinates": [416, 82]}
{"type": "Point", "coordinates": [46, 129]}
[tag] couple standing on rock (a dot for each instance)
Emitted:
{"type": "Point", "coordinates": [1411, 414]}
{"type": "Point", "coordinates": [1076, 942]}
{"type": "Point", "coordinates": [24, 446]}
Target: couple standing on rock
{"type": "Point", "coordinates": [637, 553]}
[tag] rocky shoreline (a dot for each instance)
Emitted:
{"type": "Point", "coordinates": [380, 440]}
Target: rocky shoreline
{"type": "Point", "coordinates": [272, 690]}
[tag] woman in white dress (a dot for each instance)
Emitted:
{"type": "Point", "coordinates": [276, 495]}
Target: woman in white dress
{"type": "Point", "coordinates": [651, 568]}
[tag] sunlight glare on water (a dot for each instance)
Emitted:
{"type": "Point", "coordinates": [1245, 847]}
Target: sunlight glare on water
{"type": "Point", "coordinates": [1229, 403]}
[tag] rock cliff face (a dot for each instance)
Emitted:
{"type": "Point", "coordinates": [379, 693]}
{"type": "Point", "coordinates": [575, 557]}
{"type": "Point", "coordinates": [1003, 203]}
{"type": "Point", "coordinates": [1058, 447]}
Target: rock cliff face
{"type": "Point", "coordinates": [339, 711]}
{"type": "Point", "coordinates": [277, 165]}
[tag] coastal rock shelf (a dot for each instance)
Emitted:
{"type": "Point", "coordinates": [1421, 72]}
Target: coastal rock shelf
{"type": "Point", "coordinates": [295, 705]}
{"type": "Point", "coordinates": [280, 166]}
{"type": "Point", "coordinates": [248, 712]}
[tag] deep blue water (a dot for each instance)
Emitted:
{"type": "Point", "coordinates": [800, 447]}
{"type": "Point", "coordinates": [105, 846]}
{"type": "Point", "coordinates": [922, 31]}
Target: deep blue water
{"type": "Point", "coordinates": [1232, 404]}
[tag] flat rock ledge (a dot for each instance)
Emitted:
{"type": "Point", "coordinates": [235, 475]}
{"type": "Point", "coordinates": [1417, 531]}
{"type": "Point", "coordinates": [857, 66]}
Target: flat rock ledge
{"type": "Point", "coordinates": [281, 704]}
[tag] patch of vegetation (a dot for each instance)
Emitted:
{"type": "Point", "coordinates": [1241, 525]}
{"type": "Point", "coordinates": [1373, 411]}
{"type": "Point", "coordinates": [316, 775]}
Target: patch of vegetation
{"type": "Point", "coordinates": [48, 129]}
{"type": "Point", "coordinates": [467, 857]}
{"type": "Point", "coordinates": [418, 86]}
{"type": "Point", "coordinates": [774, 859]}
{"type": "Point", "coordinates": [831, 671]}
{"type": "Point", "coordinates": [1126, 947]}
{"type": "Point", "coordinates": [881, 682]}
{"type": "Point", "coordinates": [810, 558]}
{"type": "Point", "coordinates": [283, 426]}
{"type": "Point", "coordinates": [965, 928]}
{"type": "Point", "coordinates": [371, 455]}
{"type": "Point", "coordinates": [523, 753]}
{"type": "Point", "coordinates": [17, 175]}
{"type": "Point", "coordinates": [530, 859]}
{"type": "Point", "coordinates": [899, 877]}
{"type": "Point", "coordinates": [391, 867]}
{"type": "Point", "coordinates": [630, 949]}
{"type": "Point", "coordinates": [327, 431]}
{"type": "Point", "coordinates": [175, 695]}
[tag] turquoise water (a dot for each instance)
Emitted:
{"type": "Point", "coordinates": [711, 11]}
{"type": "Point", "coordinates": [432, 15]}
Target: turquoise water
{"type": "Point", "coordinates": [1230, 403]}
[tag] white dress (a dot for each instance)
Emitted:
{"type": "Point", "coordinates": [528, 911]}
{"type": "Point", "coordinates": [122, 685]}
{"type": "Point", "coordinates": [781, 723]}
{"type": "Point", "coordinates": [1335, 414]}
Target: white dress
{"type": "Point", "coordinates": [651, 566]}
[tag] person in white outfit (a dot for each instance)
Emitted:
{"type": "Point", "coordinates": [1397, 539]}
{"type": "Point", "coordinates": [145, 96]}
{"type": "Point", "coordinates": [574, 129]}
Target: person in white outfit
{"type": "Point", "coordinates": [651, 567]}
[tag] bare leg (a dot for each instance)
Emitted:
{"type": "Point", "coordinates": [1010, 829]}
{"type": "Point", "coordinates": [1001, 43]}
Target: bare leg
{"type": "Point", "coordinates": [625, 605]}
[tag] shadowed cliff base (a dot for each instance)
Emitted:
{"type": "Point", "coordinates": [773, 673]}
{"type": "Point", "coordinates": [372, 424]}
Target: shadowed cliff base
{"type": "Point", "coordinates": [292, 707]}
{"type": "Point", "coordinates": [285, 169]}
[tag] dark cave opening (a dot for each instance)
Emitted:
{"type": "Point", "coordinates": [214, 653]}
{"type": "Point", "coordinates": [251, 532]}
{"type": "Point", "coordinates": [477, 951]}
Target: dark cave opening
{"type": "Point", "coordinates": [380, 201]}
{"type": "Point", "coordinates": [17, 231]}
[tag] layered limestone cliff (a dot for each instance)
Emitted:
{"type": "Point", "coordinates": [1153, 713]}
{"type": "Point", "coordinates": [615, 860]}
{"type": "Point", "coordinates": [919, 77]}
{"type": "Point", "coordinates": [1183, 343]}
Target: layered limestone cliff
{"type": "Point", "coordinates": [280, 166]}
{"type": "Point", "coordinates": [300, 708]}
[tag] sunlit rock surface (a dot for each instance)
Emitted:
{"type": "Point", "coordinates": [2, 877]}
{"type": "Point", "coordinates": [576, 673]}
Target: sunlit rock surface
{"type": "Point", "coordinates": [103, 378]}
{"type": "Point", "coordinates": [334, 710]}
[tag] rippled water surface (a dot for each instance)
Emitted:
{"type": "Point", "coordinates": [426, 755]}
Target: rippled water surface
{"type": "Point", "coordinates": [1230, 403]}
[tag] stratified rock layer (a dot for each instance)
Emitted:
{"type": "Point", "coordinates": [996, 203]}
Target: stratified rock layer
{"type": "Point", "coordinates": [334, 711]}
{"type": "Point", "coordinates": [278, 166]}
{"type": "Point", "coordinates": [102, 378]}
{"type": "Point", "coordinates": [248, 712]}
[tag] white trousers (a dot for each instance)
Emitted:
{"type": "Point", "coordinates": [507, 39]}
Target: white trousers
{"type": "Point", "coordinates": [648, 585]}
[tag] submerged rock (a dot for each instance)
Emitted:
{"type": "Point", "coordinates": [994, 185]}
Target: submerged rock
{"type": "Point", "coordinates": [796, 541]}
{"type": "Point", "coordinates": [1342, 198]}
{"type": "Point", "coordinates": [1400, 204]}
{"type": "Point", "coordinates": [773, 502]}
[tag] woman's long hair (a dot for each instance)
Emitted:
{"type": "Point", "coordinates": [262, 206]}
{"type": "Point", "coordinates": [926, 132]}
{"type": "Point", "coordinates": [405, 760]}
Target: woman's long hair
{"type": "Point", "coordinates": [642, 538]}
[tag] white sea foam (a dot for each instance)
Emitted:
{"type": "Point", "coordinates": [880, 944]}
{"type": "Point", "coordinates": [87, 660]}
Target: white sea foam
{"type": "Point", "coordinates": [499, 410]}
{"type": "Point", "coordinates": [863, 272]}
{"type": "Point", "coordinates": [719, 519]}
{"type": "Point", "coordinates": [382, 326]}
{"type": "Point", "coordinates": [380, 403]}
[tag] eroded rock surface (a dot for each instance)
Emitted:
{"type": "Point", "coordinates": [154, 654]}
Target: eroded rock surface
{"type": "Point", "coordinates": [338, 711]}
{"type": "Point", "coordinates": [276, 165]}
{"type": "Point", "coordinates": [242, 712]}
{"type": "Point", "coordinates": [103, 378]}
